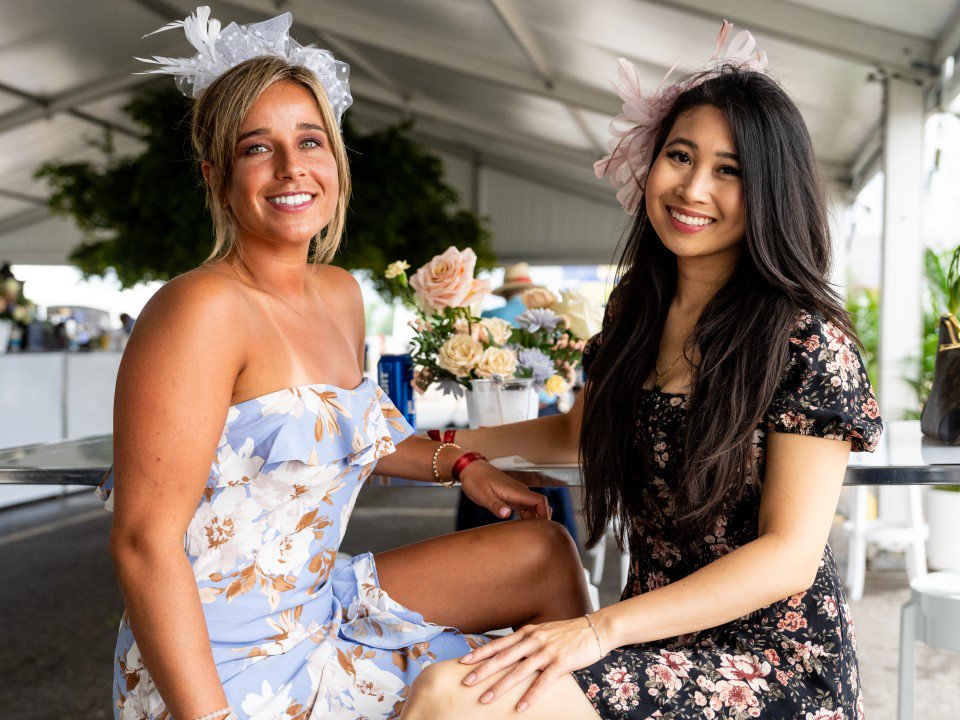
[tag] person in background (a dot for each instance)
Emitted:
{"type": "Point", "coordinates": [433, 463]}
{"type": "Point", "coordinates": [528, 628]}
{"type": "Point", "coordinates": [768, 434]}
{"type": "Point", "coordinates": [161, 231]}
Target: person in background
{"type": "Point", "coordinates": [516, 281]}
{"type": "Point", "coordinates": [127, 321]}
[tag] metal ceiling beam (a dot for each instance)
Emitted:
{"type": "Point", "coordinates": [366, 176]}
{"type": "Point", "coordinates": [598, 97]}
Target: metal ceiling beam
{"type": "Point", "coordinates": [948, 42]}
{"type": "Point", "coordinates": [499, 155]}
{"type": "Point", "coordinates": [69, 100]}
{"type": "Point", "coordinates": [24, 197]}
{"type": "Point", "coordinates": [524, 37]}
{"type": "Point", "coordinates": [79, 114]}
{"type": "Point", "coordinates": [376, 33]}
{"type": "Point", "coordinates": [825, 32]}
{"type": "Point", "coordinates": [20, 220]}
{"type": "Point", "coordinates": [426, 108]}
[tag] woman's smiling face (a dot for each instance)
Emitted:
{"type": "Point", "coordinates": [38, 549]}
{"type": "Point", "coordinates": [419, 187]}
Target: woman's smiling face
{"type": "Point", "coordinates": [284, 186]}
{"type": "Point", "coordinates": [694, 193]}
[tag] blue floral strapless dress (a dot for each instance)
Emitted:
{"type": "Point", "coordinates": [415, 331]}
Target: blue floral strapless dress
{"type": "Point", "coordinates": [296, 633]}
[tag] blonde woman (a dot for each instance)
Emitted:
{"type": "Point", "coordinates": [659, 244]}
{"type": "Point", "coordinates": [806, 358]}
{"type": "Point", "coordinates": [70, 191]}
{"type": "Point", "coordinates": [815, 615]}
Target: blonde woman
{"type": "Point", "coordinates": [245, 430]}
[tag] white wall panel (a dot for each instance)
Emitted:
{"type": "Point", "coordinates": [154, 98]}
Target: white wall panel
{"type": "Point", "coordinates": [91, 378]}
{"type": "Point", "coordinates": [534, 223]}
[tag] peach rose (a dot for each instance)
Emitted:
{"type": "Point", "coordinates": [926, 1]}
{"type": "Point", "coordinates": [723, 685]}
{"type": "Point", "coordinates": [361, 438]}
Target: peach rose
{"type": "Point", "coordinates": [459, 355]}
{"type": "Point", "coordinates": [539, 297]}
{"type": "Point", "coordinates": [498, 329]}
{"type": "Point", "coordinates": [497, 361]}
{"type": "Point", "coordinates": [447, 281]}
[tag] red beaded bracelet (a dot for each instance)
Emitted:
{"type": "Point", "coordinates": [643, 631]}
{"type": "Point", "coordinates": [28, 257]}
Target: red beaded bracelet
{"type": "Point", "coordinates": [448, 435]}
{"type": "Point", "coordinates": [462, 462]}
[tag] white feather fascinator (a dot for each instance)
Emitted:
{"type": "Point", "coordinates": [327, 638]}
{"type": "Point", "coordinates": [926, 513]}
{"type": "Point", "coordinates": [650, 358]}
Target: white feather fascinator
{"type": "Point", "coordinates": [220, 50]}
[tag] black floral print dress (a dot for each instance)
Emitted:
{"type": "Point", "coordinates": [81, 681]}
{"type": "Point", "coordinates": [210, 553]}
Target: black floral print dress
{"type": "Point", "coordinates": [793, 660]}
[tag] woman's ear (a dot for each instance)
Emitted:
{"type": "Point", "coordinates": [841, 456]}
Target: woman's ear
{"type": "Point", "coordinates": [207, 169]}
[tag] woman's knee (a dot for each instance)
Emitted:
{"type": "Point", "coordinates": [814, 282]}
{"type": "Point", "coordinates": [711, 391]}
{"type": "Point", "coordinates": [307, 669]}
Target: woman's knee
{"type": "Point", "coordinates": [436, 692]}
{"type": "Point", "coordinates": [548, 544]}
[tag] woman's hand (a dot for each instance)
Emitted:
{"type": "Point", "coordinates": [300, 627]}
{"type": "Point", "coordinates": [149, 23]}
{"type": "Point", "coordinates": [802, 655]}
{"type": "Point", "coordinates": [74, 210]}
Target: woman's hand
{"type": "Point", "coordinates": [554, 649]}
{"type": "Point", "coordinates": [500, 493]}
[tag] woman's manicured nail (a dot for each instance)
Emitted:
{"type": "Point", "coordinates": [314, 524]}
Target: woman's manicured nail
{"type": "Point", "coordinates": [487, 696]}
{"type": "Point", "coordinates": [470, 679]}
{"type": "Point", "coordinates": [522, 706]}
{"type": "Point", "coordinates": [504, 512]}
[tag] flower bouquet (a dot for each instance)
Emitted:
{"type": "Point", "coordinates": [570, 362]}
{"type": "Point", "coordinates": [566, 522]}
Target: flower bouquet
{"type": "Point", "coordinates": [456, 349]}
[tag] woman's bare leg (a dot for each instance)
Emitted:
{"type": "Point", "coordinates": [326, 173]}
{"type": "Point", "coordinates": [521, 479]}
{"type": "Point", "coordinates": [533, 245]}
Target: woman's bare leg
{"type": "Point", "coordinates": [504, 575]}
{"type": "Point", "coordinates": [439, 694]}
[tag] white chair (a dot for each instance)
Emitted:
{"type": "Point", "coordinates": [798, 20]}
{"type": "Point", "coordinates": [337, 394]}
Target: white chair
{"type": "Point", "coordinates": [932, 616]}
{"type": "Point", "coordinates": [900, 526]}
{"type": "Point", "coordinates": [597, 557]}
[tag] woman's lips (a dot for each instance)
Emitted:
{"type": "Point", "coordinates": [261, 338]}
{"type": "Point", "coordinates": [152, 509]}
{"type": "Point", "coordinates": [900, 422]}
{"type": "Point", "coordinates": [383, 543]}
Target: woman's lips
{"type": "Point", "coordinates": [689, 229]}
{"type": "Point", "coordinates": [292, 208]}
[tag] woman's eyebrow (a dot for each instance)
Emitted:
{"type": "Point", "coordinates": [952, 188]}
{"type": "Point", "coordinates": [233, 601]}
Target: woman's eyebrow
{"type": "Point", "coordinates": [693, 146]}
{"type": "Point", "coordinates": [266, 131]}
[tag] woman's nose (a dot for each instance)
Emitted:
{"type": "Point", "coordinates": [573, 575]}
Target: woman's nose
{"type": "Point", "coordinates": [695, 186]}
{"type": "Point", "coordinates": [289, 164]}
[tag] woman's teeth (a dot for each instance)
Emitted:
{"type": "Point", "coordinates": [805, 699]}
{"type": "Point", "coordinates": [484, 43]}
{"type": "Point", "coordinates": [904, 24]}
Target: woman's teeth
{"type": "Point", "coordinates": [689, 219]}
{"type": "Point", "coordinates": [297, 199]}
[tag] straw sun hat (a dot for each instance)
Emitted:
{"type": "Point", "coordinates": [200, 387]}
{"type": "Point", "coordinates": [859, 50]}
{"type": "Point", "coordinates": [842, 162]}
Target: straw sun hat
{"type": "Point", "coordinates": [515, 278]}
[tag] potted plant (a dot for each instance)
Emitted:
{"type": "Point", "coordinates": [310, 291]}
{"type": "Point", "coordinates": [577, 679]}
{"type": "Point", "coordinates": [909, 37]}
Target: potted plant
{"type": "Point", "coordinates": [500, 367]}
{"type": "Point", "coordinates": [942, 502]}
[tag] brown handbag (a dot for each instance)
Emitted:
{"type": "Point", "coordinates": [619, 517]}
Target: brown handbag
{"type": "Point", "coordinates": [940, 418]}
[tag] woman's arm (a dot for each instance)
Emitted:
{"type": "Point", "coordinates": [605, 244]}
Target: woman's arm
{"type": "Point", "coordinates": [481, 481]}
{"type": "Point", "coordinates": [173, 391]}
{"type": "Point", "coordinates": [801, 487]}
{"type": "Point", "coordinates": [551, 439]}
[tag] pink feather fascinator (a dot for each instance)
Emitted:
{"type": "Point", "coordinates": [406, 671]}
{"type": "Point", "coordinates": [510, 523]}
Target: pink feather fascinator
{"type": "Point", "coordinates": [634, 131]}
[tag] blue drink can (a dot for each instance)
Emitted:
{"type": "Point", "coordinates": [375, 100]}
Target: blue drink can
{"type": "Point", "coordinates": [395, 375]}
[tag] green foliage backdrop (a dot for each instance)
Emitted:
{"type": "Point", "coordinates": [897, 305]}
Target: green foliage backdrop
{"type": "Point", "coordinates": [144, 216]}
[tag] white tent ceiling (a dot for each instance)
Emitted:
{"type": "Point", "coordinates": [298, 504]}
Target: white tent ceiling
{"type": "Point", "coordinates": [520, 86]}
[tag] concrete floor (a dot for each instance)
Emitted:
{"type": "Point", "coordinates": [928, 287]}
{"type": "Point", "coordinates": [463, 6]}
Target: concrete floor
{"type": "Point", "coordinates": [59, 607]}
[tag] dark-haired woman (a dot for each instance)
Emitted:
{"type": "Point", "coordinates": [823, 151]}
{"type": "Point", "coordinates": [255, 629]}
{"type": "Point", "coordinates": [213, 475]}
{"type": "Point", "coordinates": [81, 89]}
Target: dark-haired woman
{"type": "Point", "coordinates": [724, 395]}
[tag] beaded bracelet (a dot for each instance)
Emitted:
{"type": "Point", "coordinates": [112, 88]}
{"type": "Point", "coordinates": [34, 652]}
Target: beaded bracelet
{"type": "Point", "coordinates": [436, 469]}
{"type": "Point", "coordinates": [224, 714]}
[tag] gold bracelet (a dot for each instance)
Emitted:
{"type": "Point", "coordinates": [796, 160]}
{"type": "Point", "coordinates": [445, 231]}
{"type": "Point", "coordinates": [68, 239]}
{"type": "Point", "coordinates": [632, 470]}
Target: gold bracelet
{"type": "Point", "coordinates": [596, 634]}
{"type": "Point", "coordinates": [436, 469]}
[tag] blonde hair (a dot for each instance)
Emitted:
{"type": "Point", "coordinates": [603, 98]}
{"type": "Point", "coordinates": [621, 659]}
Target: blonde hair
{"type": "Point", "coordinates": [217, 116]}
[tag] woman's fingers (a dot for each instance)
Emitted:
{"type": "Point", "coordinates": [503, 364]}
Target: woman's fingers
{"type": "Point", "coordinates": [492, 648]}
{"type": "Point", "coordinates": [501, 660]}
{"type": "Point", "coordinates": [522, 670]}
{"type": "Point", "coordinates": [547, 676]}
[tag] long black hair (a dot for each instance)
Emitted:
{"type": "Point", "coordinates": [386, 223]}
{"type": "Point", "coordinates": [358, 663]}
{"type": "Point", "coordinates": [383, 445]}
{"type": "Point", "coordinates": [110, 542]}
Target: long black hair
{"type": "Point", "coordinates": [741, 336]}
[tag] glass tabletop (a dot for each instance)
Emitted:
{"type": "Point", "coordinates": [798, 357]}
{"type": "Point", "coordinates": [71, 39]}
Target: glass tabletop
{"type": "Point", "coordinates": [904, 457]}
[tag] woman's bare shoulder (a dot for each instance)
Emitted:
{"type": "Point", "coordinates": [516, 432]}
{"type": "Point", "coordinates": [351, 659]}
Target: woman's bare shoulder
{"type": "Point", "coordinates": [338, 285]}
{"type": "Point", "coordinates": [201, 302]}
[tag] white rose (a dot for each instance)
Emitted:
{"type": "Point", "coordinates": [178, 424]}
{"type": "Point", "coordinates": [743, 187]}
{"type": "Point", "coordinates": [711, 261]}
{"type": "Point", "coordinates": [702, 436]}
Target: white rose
{"type": "Point", "coordinates": [539, 297]}
{"type": "Point", "coordinates": [497, 361]}
{"type": "Point", "coordinates": [459, 355]}
{"type": "Point", "coordinates": [498, 329]}
{"type": "Point", "coordinates": [584, 316]}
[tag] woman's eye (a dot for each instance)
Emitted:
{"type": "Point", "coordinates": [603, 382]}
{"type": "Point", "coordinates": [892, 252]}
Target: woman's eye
{"type": "Point", "coordinates": [255, 150]}
{"type": "Point", "coordinates": [730, 170]}
{"type": "Point", "coordinates": [679, 156]}
{"type": "Point", "coordinates": [312, 143]}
